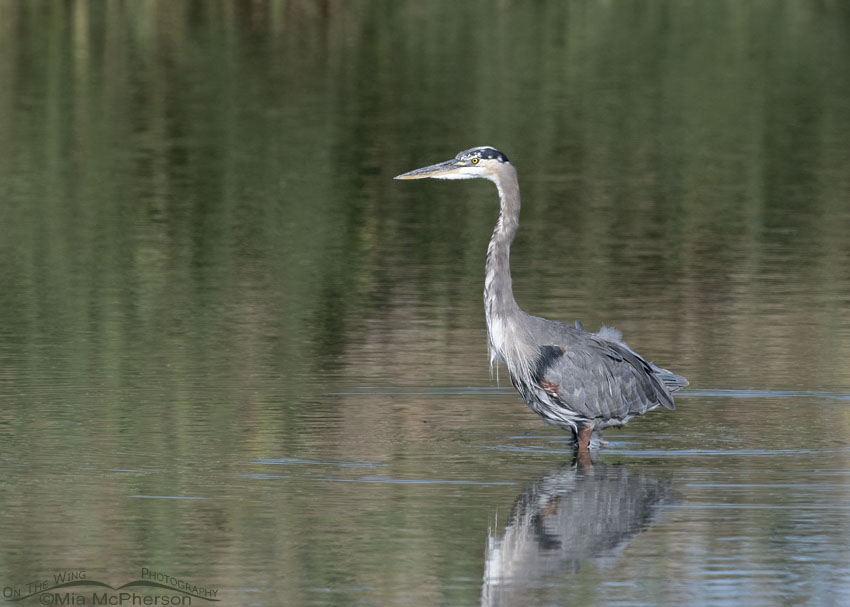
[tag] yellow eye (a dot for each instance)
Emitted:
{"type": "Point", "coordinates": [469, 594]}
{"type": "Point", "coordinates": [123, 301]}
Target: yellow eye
{"type": "Point", "coordinates": [474, 161]}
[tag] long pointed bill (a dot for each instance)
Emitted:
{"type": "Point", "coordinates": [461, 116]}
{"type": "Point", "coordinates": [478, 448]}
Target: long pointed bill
{"type": "Point", "coordinates": [438, 171]}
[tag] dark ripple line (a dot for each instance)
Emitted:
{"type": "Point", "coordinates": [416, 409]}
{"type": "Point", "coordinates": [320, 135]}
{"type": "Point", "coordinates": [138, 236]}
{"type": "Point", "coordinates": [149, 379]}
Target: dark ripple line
{"type": "Point", "coordinates": [766, 394]}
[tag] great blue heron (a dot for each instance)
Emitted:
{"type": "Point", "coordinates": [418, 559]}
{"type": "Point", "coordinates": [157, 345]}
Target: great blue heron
{"type": "Point", "coordinates": [573, 379]}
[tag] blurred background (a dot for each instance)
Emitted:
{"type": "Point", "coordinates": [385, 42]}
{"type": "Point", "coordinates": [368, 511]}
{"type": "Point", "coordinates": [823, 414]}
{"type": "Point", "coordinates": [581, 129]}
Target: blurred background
{"type": "Point", "coordinates": [234, 349]}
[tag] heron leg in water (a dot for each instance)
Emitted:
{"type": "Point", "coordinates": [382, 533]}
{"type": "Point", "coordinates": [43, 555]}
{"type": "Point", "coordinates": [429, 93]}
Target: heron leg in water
{"type": "Point", "coordinates": [581, 460]}
{"type": "Point", "coordinates": [583, 437]}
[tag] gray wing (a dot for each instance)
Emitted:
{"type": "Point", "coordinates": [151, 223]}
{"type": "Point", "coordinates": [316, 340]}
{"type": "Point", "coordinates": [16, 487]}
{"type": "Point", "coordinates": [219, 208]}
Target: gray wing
{"type": "Point", "coordinates": [604, 380]}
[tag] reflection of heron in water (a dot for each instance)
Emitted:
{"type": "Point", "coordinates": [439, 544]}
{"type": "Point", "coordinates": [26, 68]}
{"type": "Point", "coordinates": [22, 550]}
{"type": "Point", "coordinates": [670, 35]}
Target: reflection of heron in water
{"type": "Point", "coordinates": [573, 379]}
{"type": "Point", "coordinates": [574, 512]}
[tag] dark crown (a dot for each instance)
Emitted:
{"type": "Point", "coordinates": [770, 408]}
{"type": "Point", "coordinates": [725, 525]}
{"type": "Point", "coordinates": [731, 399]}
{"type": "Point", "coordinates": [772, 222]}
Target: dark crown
{"type": "Point", "coordinates": [485, 153]}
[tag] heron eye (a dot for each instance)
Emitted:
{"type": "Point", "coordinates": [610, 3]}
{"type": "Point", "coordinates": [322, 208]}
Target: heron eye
{"type": "Point", "coordinates": [474, 161]}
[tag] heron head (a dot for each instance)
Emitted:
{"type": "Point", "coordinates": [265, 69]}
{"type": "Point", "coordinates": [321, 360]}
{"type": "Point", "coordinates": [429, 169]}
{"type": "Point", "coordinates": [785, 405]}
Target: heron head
{"type": "Point", "coordinates": [481, 162]}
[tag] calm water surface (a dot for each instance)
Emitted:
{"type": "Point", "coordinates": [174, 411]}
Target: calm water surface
{"type": "Point", "coordinates": [235, 352]}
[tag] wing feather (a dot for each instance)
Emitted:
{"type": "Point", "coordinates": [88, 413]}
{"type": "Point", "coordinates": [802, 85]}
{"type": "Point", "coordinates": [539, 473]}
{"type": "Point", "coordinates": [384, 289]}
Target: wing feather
{"type": "Point", "coordinates": [602, 379]}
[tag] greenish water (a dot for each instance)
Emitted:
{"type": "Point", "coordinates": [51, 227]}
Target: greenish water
{"type": "Point", "coordinates": [234, 351]}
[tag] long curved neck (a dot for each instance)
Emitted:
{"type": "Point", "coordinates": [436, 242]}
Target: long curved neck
{"type": "Point", "coordinates": [506, 322]}
{"type": "Point", "coordinates": [499, 299]}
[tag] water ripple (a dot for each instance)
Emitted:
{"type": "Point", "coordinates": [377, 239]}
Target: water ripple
{"type": "Point", "coordinates": [294, 461]}
{"type": "Point", "coordinates": [766, 394]}
{"type": "Point", "coordinates": [413, 481]}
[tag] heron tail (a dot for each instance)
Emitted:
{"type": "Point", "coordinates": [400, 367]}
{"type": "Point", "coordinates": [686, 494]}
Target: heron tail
{"type": "Point", "coordinates": [671, 381]}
